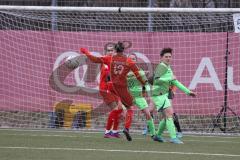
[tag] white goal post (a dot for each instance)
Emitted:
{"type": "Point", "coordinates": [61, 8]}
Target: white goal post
{"type": "Point", "coordinates": [37, 40]}
{"type": "Point", "coordinates": [121, 9]}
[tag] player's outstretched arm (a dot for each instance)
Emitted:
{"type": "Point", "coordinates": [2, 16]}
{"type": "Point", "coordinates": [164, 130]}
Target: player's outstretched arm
{"type": "Point", "coordinates": [180, 86]}
{"type": "Point", "coordinates": [90, 56]}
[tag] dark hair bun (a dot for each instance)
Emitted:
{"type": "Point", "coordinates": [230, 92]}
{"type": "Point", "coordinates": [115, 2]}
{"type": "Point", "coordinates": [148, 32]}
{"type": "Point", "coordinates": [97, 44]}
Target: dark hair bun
{"type": "Point", "coordinates": [119, 47]}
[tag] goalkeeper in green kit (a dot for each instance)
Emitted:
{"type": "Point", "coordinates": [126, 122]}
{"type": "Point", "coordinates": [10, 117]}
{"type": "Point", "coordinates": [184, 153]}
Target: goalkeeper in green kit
{"type": "Point", "coordinates": [162, 80]}
{"type": "Point", "coordinates": [138, 94]}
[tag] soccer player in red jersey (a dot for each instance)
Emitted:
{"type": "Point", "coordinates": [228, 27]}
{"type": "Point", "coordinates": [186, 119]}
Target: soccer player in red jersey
{"type": "Point", "coordinates": [110, 99]}
{"type": "Point", "coordinates": [120, 66]}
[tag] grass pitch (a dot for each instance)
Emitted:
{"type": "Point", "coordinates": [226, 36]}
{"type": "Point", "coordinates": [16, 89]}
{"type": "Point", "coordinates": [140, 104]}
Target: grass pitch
{"type": "Point", "coordinates": [64, 145]}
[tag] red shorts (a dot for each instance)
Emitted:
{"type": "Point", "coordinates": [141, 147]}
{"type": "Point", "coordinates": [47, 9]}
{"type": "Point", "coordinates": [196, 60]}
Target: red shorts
{"type": "Point", "coordinates": [108, 97]}
{"type": "Point", "coordinates": [123, 93]}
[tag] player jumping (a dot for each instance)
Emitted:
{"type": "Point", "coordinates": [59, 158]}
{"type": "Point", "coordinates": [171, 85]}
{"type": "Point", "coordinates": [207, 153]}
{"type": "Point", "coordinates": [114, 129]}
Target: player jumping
{"type": "Point", "coordinates": [120, 66]}
{"type": "Point", "coordinates": [110, 99]}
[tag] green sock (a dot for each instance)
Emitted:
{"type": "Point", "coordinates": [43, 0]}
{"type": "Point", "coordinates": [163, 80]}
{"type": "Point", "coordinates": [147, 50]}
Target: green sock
{"type": "Point", "coordinates": [170, 127]}
{"type": "Point", "coordinates": [161, 127]}
{"type": "Point", "coordinates": [151, 126]}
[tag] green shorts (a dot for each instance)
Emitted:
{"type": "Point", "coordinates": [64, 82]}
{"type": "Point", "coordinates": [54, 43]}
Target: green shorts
{"type": "Point", "coordinates": [140, 102]}
{"type": "Point", "coordinates": [161, 102]}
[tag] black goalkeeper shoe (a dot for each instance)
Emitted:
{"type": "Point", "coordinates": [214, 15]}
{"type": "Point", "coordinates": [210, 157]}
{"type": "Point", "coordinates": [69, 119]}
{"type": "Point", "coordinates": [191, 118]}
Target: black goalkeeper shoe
{"type": "Point", "coordinates": [126, 133]}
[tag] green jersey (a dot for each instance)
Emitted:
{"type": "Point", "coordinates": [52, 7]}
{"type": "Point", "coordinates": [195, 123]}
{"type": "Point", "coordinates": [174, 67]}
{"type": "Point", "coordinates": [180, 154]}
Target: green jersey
{"type": "Point", "coordinates": [163, 79]}
{"type": "Point", "coordinates": [134, 86]}
{"type": "Point", "coordinates": [135, 89]}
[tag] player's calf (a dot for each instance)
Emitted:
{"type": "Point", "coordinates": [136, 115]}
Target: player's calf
{"type": "Point", "coordinates": [127, 134]}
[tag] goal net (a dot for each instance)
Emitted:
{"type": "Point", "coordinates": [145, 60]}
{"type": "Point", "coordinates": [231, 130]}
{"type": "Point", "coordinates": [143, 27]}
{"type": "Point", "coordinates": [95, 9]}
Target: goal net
{"type": "Point", "coordinates": [39, 92]}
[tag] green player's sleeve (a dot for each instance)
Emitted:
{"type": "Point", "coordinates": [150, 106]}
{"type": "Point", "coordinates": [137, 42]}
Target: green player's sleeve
{"type": "Point", "coordinates": [133, 82]}
{"type": "Point", "coordinates": [180, 86]}
{"type": "Point", "coordinates": [142, 74]}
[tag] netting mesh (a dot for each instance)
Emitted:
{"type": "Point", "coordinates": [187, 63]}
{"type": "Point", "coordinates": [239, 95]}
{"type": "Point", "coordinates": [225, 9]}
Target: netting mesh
{"type": "Point", "coordinates": [129, 3]}
{"type": "Point", "coordinates": [79, 21]}
{"type": "Point", "coordinates": [34, 43]}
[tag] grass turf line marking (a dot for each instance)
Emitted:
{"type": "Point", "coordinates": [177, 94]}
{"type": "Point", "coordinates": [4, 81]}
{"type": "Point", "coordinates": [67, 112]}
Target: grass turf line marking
{"type": "Point", "coordinates": [126, 151]}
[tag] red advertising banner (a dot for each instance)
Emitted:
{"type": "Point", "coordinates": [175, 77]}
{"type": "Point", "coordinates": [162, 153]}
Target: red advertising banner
{"type": "Point", "coordinates": [28, 58]}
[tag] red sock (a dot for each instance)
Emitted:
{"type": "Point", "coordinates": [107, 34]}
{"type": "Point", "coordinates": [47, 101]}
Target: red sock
{"type": "Point", "coordinates": [116, 119]}
{"type": "Point", "coordinates": [110, 120]}
{"type": "Point", "coordinates": [128, 118]}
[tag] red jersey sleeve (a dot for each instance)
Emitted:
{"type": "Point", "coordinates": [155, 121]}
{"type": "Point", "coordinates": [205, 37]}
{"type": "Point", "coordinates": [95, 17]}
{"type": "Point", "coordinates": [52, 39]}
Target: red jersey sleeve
{"type": "Point", "coordinates": [105, 72]}
{"type": "Point", "coordinates": [90, 56]}
{"type": "Point", "coordinates": [135, 70]}
{"type": "Point", "coordinates": [95, 59]}
{"type": "Point", "coordinates": [106, 60]}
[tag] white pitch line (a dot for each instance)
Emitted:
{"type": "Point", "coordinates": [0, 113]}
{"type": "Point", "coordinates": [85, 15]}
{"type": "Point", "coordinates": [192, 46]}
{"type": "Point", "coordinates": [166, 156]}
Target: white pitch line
{"type": "Point", "coordinates": [126, 151]}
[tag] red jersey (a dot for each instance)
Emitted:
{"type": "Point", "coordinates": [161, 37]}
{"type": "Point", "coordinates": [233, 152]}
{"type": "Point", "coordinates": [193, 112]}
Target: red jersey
{"type": "Point", "coordinates": [119, 68]}
{"type": "Point", "coordinates": [105, 72]}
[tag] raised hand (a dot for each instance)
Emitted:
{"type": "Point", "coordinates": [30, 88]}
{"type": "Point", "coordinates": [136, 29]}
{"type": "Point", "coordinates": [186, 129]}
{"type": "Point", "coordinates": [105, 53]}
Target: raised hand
{"type": "Point", "coordinates": [84, 51]}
